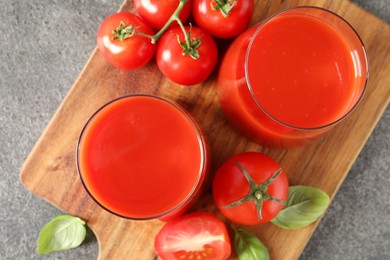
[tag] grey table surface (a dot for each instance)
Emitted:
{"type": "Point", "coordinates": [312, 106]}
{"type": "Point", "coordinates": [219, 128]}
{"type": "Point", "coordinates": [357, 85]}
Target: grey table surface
{"type": "Point", "coordinates": [43, 47]}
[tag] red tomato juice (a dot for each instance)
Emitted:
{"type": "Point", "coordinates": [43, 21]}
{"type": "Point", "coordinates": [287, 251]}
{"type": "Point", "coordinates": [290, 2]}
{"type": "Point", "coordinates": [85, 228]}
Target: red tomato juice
{"type": "Point", "coordinates": [304, 78]}
{"type": "Point", "coordinates": [142, 157]}
{"type": "Point", "coordinates": [285, 83]}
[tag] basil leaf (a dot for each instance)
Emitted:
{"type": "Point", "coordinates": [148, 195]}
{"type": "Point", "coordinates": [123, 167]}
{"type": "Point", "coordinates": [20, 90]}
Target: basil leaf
{"type": "Point", "coordinates": [304, 205]}
{"type": "Point", "coordinates": [61, 233]}
{"type": "Point", "coordinates": [249, 247]}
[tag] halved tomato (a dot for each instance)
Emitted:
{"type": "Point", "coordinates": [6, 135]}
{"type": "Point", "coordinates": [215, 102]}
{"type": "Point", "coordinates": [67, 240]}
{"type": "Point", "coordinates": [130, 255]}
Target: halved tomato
{"type": "Point", "coordinates": [199, 235]}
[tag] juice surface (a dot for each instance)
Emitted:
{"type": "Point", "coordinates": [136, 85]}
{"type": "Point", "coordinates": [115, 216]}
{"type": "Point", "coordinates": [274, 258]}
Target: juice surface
{"type": "Point", "coordinates": [140, 157]}
{"type": "Point", "coordinates": [301, 71]}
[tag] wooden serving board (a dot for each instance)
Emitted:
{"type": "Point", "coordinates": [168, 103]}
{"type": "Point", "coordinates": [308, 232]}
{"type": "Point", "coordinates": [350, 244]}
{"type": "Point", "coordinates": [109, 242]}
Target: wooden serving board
{"type": "Point", "coordinates": [50, 171]}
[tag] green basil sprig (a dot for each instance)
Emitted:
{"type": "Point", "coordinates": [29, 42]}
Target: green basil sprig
{"type": "Point", "coordinates": [249, 247]}
{"type": "Point", "coordinates": [61, 233]}
{"type": "Point", "coordinates": [304, 205]}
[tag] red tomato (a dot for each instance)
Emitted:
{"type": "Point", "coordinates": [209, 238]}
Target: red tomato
{"type": "Point", "coordinates": [199, 235]}
{"type": "Point", "coordinates": [184, 69]}
{"type": "Point", "coordinates": [250, 188]}
{"type": "Point", "coordinates": [157, 12]}
{"type": "Point", "coordinates": [130, 53]}
{"type": "Point", "coordinates": [215, 23]}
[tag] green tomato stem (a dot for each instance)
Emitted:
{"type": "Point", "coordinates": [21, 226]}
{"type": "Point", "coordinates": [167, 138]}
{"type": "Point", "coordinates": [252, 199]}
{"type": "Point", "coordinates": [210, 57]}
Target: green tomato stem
{"type": "Point", "coordinates": [123, 32]}
{"type": "Point", "coordinates": [258, 192]}
{"type": "Point", "coordinates": [189, 46]}
{"type": "Point", "coordinates": [174, 17]}
{"type": "Point", "coordinates": [186, 35]}
{"type": "Point", "coordinates": [224, 6]}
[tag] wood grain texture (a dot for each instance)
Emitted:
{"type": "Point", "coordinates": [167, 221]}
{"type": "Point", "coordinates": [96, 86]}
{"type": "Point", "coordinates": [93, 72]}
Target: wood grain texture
{"type": "Point", "coordinates": [50, 171]}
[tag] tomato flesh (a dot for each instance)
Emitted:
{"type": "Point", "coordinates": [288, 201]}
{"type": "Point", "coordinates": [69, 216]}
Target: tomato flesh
{"type": "Point", "coordinates": [206, 253]}
{"type": "Point", "coordinates": [198, 235]}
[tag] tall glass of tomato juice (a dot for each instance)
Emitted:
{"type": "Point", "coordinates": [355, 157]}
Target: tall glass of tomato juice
{"type": "Point", "coordinates": [142, 157]}
{"type": "Point", "coordinates": [291, 78]}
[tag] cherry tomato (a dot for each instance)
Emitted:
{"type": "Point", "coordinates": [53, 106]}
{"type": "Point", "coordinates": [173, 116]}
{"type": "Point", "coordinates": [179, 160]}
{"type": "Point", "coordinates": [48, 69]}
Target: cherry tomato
{"type": "Point", "coordinates": [199, 235]}
{"type": "Point", "coordinates": [183, 68]}
{"type": "Point", "coordinates": [250, 188]}
{"type": "Point", "coordinates": [130, 53]}
{"type": "Point", "coordinates": [214, 22]}
{"type": "Point", "coordinates": [157, 12]}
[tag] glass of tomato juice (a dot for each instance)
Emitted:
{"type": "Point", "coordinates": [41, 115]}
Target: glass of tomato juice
{"type": "Point", "coordinates": [289, 79]}
{"type": "Point", "coordinates": [142, 157]}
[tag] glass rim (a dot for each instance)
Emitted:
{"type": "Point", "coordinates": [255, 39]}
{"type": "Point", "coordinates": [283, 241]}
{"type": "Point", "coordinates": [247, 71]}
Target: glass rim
{"type": "Point", "coordinates": [258, 103]}
{"type": "Point", "coordinates": [202, 148]}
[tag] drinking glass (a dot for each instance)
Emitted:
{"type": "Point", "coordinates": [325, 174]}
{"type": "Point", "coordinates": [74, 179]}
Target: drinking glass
{"type": "Point", "coordinates": [142, 157]}
{"type": "Point", "coordinates": [291, 78]}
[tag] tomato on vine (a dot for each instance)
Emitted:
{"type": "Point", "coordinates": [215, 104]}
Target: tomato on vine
{"type": "Point", "coordinates": [120, 44]}
{"type": "Point", "coordinates": [186, 55]}
{"type": "Point", "coordinates": [186, 58]}
{"type": "Point", "coordinates": [250, 188]}
{"type": "Point", "coordinates": [223, 18]}
{"type": "Point", "coordinates": [157, 13]}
